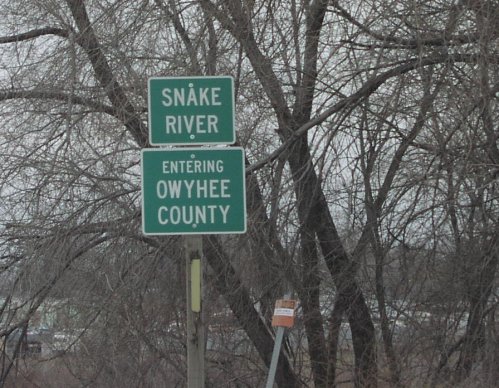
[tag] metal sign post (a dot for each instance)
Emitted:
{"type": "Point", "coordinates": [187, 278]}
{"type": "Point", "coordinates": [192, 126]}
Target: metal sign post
{"type": "Point", "coordinates": [193, 246]}
{"type": "Point", "coordinates": [192, 191]}
{"type": "Point", "coordinates": [284, 316]}
{"type": "Point", "coordinates": [275, 357]}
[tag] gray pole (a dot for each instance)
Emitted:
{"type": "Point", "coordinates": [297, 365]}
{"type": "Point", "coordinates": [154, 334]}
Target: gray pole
{"type": "Point", "coordinates": [193, 246]}
{"type": "Point", "coordinates": [275, 357]}
{"type": "Point", "coordinates": [276, 352]}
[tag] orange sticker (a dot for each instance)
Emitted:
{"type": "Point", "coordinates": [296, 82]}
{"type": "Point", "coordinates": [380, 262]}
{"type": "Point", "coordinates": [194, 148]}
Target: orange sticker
{"type": "Point", "coordinates": [284, 313]}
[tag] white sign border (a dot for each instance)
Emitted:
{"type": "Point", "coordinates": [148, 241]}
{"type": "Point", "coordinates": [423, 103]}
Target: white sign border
{"type": "Point", "coordinates": [245, 210]}
{"type": "Point", "coordinates": [191, 143]}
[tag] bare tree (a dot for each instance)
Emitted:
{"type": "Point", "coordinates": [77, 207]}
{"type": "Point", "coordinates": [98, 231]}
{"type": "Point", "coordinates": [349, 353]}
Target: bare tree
{"type": "Point", "coordinates": [371, 151]}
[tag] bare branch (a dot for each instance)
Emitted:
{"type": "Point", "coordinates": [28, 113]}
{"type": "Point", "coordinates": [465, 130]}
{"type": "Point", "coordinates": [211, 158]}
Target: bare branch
{"type": "Point", "coordinates": [103, 72]}
{"type": "Point", "coordinates": [33, 34]}
{"type": "Point", "coordinates": [365, 91]}
{"type": "Point", "coordinates": [443, 40]}
{"type": "Point", "coordinates": [58, 96]}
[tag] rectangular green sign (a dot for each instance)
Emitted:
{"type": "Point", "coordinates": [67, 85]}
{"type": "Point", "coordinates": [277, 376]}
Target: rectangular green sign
{"type": "Point", "coordinates": [191, 110]}
{"type": "Point", "coordinates": [193, 191]}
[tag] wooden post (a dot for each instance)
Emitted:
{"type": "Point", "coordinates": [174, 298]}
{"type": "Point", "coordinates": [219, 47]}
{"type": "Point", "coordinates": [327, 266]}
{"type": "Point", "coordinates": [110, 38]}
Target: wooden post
{"type": "Point", "coordinates": [193, 246]}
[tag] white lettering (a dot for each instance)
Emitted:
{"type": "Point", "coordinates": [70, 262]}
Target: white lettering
{"type": "Point", "coordinates": [188, 121]}
{"type": "Point", "coordinates": [224, 210]}
{"type": "Point", "coordinates": [174, 188]}
{"type": "Point", "coordinates": [193, 214]}
{"type": "Point", "coordinates": [224, 187]}
{"type": "Point", "coordinates": [187, 215]}
{"type": "Point", "coordinates": [212, 209]}
{"type": "Point", "coordinates": [170, 124]}
{"type": "Point", "coordinates": [214, 189]}
{"type": "Point", "coordinates": [200, 124]}
{"type": "Point", "coordinates": [168, 99]}
{"type": "Point", "coordinates": [175, 215]}
{"type": "Point", "coordinates": [191, 97]}
{"type": "Point", "coordinates": [162, 215]}
{"type": "Point", "coordinates": [215, 97]}
{"type": "Point", "coordinates": [203, 96]}
{"type": "Point", "coordinates": [200, 215]}
{"type": "Point", "coordinates": [178, 97]}
{"type": "Point", "coordinates": [202, 188]}
{"type": "Point", "coordinates": [161, 189]}
{"type": "Point", "coordinates": [191, 124]}
{"type": "Point", "coordinates": [188, 185]}
{"type": "Point", "coordinates": [212, 124]}
{"type": "Point", "coordinates": [171, 189]}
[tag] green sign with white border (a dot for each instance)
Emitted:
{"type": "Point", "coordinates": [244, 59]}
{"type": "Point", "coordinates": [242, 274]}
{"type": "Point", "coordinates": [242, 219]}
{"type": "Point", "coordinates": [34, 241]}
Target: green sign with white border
{"type": "Point", "coordinates": [191, 110]}
{"type": "Point", "coordinates": [193, 191]}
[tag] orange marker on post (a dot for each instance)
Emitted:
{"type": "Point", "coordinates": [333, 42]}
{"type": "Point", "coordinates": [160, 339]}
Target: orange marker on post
{"type": "Point", "coordinates": [284, 316]}
{"type": "Point", "coordinates": [284, 313]}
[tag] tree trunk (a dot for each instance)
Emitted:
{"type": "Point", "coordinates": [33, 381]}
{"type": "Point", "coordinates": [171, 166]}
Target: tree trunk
{"type": "Point", "coordinates": [474, 337]}
{"type": "Point", "coordinates": [351, 299]}
{"type": "Point", "coordinates": [229, 285]}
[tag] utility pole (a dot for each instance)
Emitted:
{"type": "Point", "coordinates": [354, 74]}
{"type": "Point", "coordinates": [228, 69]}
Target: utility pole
{"type": "Point", "coordinates": [193, 246]}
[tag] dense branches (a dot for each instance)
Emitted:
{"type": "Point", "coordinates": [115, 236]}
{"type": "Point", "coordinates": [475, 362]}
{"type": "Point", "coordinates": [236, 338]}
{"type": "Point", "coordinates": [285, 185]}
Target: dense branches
{"type": "Point", "coordinates": [371, 147]}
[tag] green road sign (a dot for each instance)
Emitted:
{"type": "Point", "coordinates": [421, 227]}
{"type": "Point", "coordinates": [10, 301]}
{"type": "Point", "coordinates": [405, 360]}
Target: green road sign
{"type": "Point", "coordinates": [193, 191]}
{"type": "Point", "coordinates": [191, 110]}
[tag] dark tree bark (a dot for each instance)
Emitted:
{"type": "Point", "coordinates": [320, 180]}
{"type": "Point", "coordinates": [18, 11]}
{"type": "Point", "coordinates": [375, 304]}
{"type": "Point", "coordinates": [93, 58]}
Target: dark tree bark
{"type": "Point", "coordinates": [314, 215]}
{"type": "Point", "coordinates": [228, 284]}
